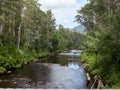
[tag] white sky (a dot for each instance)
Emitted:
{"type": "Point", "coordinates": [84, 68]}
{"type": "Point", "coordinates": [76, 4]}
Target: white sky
{"type": "Point", "coordinates": [64, 10]}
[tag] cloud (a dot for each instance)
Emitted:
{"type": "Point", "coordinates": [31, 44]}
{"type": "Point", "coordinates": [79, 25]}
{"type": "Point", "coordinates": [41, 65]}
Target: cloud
{"type": "Point", "coordinates": [63, 10]}
{"type": "Point", "coordinates": [53, 4]}
{"type": "Point", "coordinates": [65, 16]}
{"type": "Point", "coordinates": [66, 20]}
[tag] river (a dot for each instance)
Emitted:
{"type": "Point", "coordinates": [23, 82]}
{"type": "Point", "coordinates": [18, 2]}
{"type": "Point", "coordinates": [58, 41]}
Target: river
{"type": "Point", "coordinates": [62, 72]}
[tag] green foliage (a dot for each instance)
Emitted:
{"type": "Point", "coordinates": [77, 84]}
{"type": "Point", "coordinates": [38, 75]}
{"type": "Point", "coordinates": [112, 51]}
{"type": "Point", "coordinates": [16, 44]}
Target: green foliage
{"type": "Point", "coordinates": [68, 39]}
{"type": "Point", "coordinates": [13, 58]}
{"type": "Point", "coordinates": [55, 42]}
{"type": "Point", "coordinates": [27, 32]}
{"type": "Point", "coordinates": [101, 43]}
{"type": "Point", "coordinates": [2, 70]}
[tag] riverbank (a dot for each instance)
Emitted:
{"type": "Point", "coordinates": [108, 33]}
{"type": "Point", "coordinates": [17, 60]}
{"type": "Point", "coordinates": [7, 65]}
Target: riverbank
{"type": "Point", "coordinates": [19, 58]}
{"type": "Point", "coordinates": [93, 81]}
{"type": "Point", "coordinates": [47, 74]}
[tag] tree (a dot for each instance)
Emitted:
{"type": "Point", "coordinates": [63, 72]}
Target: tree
{"type": "Point", "coordinates": [23, 32]}
{"type": "Point", "coordinates": [101, 43]}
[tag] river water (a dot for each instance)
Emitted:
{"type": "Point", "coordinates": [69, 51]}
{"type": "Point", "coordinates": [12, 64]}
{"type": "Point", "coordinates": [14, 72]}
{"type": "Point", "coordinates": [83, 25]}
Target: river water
{"type": "Point", "coordinates": [62, 72]}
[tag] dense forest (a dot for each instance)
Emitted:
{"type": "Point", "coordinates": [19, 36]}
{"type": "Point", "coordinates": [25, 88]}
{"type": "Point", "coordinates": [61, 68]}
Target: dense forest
{"type": "Point", "coordinates": [27, 32]}
{"type": "Point", "coordinates": [101, 44]}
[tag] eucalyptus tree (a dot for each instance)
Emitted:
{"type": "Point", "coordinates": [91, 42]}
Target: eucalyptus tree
{"type": "Point", "coordinates": [32, 22]}
{"type": "Point", "coordinates": [23, 28]}
{"type": "Point", "coordinates": [10, 19]}
{"type": "Point", "coordinates": [101, 45]}
{"type": "Point", "coordinates": [48, 28]}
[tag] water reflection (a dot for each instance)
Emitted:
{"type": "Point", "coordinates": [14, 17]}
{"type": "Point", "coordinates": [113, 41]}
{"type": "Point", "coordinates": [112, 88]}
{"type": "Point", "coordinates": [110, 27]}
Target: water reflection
{"type": "Point", "coordinates": [53, 72]}
{"type": "Point", "coordinates": [71, 62]}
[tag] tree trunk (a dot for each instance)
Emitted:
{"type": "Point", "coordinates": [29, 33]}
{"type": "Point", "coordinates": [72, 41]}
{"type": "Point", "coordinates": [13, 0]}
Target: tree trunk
{"type": "Point", "coordinates": [19, 35]}
{"type": "Point", "coordinates": [1, 28]}
{"type": "Point", "coordinates": [10, 27]}
{"type": "Point", "coordinates": [13, 27]}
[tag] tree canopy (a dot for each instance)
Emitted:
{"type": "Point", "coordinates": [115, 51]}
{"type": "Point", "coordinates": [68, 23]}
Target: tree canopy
{"type": "Point", "coordinates": [27, 32]}
{"type": "Point", "coordinates": [101, 44]}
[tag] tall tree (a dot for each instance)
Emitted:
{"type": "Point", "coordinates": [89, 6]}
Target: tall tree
{"type": "Point", "coordinates": [101, 45]}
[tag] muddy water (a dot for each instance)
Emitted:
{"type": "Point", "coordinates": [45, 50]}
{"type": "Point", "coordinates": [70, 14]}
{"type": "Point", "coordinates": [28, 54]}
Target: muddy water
{"type": "Point", "coordinates": [61, 72]}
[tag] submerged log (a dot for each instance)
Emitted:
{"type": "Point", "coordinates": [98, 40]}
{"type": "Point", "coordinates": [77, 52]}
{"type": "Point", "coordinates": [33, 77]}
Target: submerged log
{"type": "Point", "coordinates": [95, 80]}
{"type": "Point", "coordinates": [98, 81]}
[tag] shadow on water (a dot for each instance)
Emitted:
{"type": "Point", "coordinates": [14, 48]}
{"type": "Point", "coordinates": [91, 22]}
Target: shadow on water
{"type": "Point", "coordinates": [51, 72]}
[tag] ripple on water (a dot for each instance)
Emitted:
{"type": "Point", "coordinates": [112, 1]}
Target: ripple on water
{"type": "Point", "coordinates": [47, 75]}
